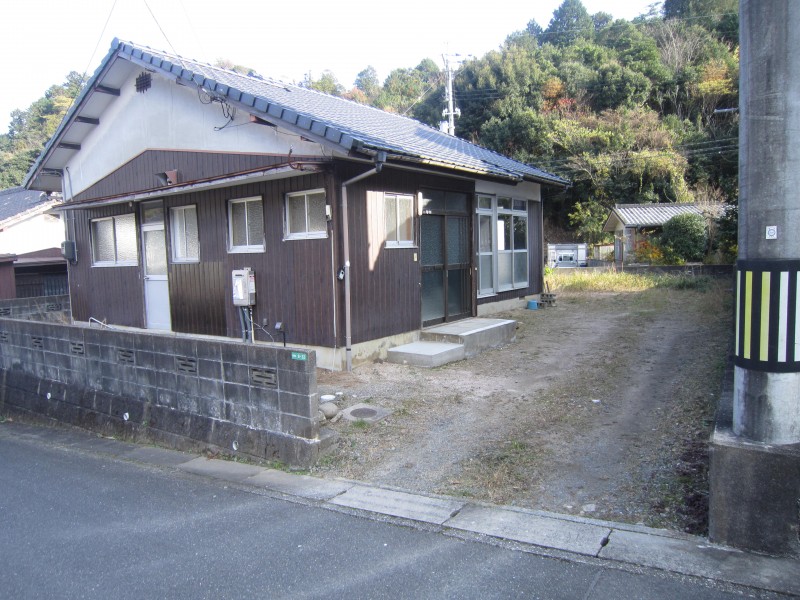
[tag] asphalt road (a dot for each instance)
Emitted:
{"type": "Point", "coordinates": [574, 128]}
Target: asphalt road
{"type": "Point", "coordinates": [78, 524]}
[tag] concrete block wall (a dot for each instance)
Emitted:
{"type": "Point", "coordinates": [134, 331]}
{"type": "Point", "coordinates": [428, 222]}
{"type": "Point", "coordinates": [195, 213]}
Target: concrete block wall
{"type": "Point", "coordinates": [44, 308]}
{"type": "Point", "coordinates": [179, 391]}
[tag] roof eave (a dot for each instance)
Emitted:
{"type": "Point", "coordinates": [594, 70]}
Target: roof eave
{"type": "Point", "coordinates": [88, 89]}
{"type": "Point", "coordinates": [275, 172]}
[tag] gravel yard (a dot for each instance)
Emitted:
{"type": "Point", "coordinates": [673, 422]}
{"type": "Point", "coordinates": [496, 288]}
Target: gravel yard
{"type": "Point", "coordinates": [602, 407]}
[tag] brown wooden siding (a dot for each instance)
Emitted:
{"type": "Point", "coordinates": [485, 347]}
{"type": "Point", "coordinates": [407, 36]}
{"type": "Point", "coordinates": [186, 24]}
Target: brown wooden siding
{"type": "Point", "coordinates": [139, 174]}
{"type": "Point", "coordinates": [294, 278]}
{"type": "Point", "coordinates": [111, 294]}
{"type": "Point", "coordinates": [386, 281]}
{"type": "Point", "coordinates": [8, 288]}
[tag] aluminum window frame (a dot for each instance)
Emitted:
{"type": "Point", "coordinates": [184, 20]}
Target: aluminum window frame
{"type": "Point", "coordinates": [246, 248]}
{"type": "Point", "coordinates": [499, 208]}
{"type": "Point", "coordinates": [176, 221]}
{"type": "Point", "coordinates": [397, 242]}
{"type": "Point", "coordinates": [306, 234]}
{"type": "Point", "coordinates": [116, 262]}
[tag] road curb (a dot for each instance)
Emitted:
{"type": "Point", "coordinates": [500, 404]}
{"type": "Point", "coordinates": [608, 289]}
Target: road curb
{"type": "Point", "coordinates": [664, 550]}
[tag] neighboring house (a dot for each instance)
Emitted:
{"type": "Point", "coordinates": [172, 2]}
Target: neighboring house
{"type": "Point", "coordinates": [634, 223]}
{"type": "Point", "coordinates": [32, 233]}
{"type": "Point", "coordinates": [8, 288]}
{"type": "Point", "coordinates": [360, 227]}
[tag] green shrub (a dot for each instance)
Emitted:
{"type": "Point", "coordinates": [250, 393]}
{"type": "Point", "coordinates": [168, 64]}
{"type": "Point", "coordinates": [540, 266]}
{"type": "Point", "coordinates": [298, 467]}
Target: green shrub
{"type": "Point", "coordinates": [684, 238]}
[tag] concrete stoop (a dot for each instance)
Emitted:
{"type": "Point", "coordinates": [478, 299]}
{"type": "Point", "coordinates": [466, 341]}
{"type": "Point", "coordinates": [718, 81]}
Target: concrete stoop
{"type": "Point", "coordinates": [450, 342]}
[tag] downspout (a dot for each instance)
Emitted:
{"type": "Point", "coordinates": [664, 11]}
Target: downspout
{"type": "Point", "coordinates": [380, 158]}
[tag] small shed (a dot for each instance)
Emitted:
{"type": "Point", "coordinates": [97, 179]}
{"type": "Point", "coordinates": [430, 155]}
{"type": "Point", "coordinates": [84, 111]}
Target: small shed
{"type": "Point", "coordinates": [633, 223]}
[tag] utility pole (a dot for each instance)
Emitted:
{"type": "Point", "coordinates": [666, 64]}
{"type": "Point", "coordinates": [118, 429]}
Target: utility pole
{"type": "Point", "coordinates": [767, 355]}
{"type": "Point", "coordinates": [755, 468]}
{"type": "Point", "coordinates": [451, 112]}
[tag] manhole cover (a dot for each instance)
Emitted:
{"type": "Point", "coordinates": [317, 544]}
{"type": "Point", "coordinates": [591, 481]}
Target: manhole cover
{"type": "Point", "coordinates": [363, 413]}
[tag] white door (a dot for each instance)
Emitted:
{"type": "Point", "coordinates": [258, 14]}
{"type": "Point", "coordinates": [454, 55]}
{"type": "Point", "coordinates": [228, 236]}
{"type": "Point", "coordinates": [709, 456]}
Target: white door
{"type": "Point", "coordinates": [156, 284]}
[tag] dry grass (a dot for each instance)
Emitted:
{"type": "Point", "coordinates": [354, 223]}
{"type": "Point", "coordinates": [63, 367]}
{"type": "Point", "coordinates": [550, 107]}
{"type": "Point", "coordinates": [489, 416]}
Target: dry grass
{"type": "Point", "coordinates": [620, 281]}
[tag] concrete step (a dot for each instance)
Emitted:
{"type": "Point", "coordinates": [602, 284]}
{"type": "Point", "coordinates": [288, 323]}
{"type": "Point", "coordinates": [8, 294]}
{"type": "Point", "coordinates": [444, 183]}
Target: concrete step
{"type": "Point", "coordinates": [476, 335]}
{"type": "Point", "coordinates": [426, 354]}
{"type": "Point", "coordinates": [450, 342]}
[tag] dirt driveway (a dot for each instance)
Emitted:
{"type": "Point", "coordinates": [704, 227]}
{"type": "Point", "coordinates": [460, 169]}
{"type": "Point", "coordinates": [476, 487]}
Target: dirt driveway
{"type": "Point", "coordinates": [601, 407]}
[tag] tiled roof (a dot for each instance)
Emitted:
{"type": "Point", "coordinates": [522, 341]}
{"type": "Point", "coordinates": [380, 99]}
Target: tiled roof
{"type": "Point", "coordinates": [654, 215]}
{"type": "Point", "coordinates": [17, 200]}
{"type": "Point", "coordinates": [352, 126]}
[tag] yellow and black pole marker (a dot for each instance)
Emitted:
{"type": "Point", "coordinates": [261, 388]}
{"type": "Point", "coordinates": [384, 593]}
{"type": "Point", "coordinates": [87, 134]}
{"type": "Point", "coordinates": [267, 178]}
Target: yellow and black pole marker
{"type": "Point", "coordinates": [767, 307]}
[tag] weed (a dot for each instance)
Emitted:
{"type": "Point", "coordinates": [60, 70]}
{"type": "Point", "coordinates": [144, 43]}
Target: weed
{"type": "Point", "coordinates": [360, 424]}
{"type": "Point", "coordinates": [616, 281]}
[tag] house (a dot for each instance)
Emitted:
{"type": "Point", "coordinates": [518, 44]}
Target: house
{"type": "Point", "coordinates": [634, 223]}
{"type": "Point", "coordinates": [358, 227]}
{"type": "Point", "coordinates": [32, 234]}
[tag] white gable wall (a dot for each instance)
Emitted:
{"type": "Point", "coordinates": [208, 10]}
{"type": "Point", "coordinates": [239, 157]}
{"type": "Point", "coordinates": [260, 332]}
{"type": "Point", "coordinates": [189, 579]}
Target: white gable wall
{"type": "Point", "coordinates": [169, 116]}
{"type": "Point", "coordinates": [39, 232]}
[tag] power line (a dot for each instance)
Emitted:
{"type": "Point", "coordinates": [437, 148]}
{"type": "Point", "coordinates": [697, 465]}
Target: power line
{"type": "Point", "coordinates": [175, 52]}
{"type": "Point", "coordinates": [99, 39]}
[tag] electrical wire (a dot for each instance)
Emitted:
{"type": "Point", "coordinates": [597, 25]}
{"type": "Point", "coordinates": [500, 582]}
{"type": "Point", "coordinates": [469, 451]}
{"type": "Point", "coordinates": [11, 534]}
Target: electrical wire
{"type": "Point", "coordinates": [175, 52]}
{"type": "Point", "coordinates": [99, 39]}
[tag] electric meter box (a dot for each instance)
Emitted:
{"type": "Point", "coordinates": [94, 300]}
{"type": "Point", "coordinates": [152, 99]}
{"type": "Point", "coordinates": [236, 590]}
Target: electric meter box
{"type": "Point", "coordinates": [68, 250]}
{"type": "Point", "coordinates": [244, 287]}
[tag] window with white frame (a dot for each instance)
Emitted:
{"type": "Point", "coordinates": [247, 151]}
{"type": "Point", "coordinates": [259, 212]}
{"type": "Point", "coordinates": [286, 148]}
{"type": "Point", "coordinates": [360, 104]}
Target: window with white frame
{"type": "Point", "coordinates": [246, 224]}
{"type": "Point", "coordinates": [306, 215]}
{"type": "Point", "coordinates": [502, 244]}
{"type": "Point", "coordinates": [399, 211]}
{"type": "Point", "coordinates": [184, 235]}
{"type": "Point", "coordinates": [114, 242]}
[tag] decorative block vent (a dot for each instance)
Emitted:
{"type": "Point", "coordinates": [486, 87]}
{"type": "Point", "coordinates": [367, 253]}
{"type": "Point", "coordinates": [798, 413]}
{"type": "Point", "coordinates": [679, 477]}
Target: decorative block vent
{"type": "Point", "coordinates": [37, 342]}
{"type": "Point", "coordinates": [144, 82]}
{"type": "Point", "coordinates": [185, 364]}
{"type": "Point", "coordinates": [263, 377]}
{"type": "Point", "coordinates": [53, 307]}
{"type": "Point", "coordinates": [5, 311]}
{"type": "Point", "coordinates": [4, 337]}
{"type": "Point", "coordinates": [127, 357]}
{"type": "Point", "coordinates": [77, 348]}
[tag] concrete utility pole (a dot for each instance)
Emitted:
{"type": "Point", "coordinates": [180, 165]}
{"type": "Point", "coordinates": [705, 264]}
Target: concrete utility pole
{"type": "Point", "coordinates": [451, 111]}
{"type": "Point", "coordinates": [767, 377]}
{"type": "Point", "coordinates": [755, 459]}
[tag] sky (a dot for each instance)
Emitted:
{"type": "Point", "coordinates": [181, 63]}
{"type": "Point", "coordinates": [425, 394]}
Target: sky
{"type": "Point", "coordinates": [43, 40]}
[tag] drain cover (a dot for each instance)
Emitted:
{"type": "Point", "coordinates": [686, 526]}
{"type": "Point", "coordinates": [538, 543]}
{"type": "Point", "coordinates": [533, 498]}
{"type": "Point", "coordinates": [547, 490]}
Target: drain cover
{"type": "Point", "coordinates": [364, 413]}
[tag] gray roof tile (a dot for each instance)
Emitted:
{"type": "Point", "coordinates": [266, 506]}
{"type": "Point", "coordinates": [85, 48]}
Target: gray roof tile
{"type": "Point", "coordinates": [17, 200]}
{"type": "Point", "coordinates": [351, 125]}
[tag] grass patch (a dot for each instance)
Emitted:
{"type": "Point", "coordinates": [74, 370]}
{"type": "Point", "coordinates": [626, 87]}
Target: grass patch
{"type": "Point", "coordinates": [620, 281]}
{"type": "Point", "coordinates": [500, 473]}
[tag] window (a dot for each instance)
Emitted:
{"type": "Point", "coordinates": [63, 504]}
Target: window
{"type": "Point", "coordinates": [502, 244]}
{"type": "Point", "coordinates": [306, 215]}
{"type": "Point", "coordinates": [246, 225]}
{"type": "Point", "coordinates": [114, 241]}
{"type": "Point", "coordinates": [185, 239]}
{"type": "Point", "coordinates": [399, 210]}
